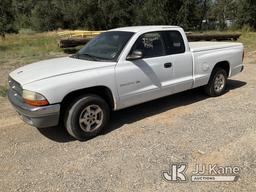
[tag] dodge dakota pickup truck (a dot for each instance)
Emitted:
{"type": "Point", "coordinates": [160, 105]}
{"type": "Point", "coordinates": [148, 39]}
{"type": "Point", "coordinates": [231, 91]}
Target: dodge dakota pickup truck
{"type": "Point", "coordinates": [117, 69]}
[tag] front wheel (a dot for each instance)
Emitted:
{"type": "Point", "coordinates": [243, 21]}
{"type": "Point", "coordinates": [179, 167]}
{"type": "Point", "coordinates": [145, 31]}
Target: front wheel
{"type": "Point", "coordinates": [217, 83]}
{"type": "Point", "coordinates": [86, 117]}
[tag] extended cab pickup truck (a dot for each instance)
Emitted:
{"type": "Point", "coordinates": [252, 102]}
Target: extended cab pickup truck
{"type": "Point", "coordinates": [117, 69]}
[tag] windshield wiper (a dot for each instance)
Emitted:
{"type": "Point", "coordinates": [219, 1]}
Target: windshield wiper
{"type": "Point", "coordinates": [87, 55]}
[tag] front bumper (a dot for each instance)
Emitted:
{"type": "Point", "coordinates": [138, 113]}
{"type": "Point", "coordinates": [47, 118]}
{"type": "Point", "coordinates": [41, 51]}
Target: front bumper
{"type": "Point", "coordinates": [45, 116]}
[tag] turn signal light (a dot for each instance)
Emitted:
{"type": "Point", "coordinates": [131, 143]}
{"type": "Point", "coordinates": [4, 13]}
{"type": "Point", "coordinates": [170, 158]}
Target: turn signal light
{"type": "Point", "coordinates": [36, 103]}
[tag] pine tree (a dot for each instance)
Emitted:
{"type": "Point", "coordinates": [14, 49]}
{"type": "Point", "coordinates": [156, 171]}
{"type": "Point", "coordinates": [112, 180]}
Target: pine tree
{"type": "Point", "coordinates": [6, 17]}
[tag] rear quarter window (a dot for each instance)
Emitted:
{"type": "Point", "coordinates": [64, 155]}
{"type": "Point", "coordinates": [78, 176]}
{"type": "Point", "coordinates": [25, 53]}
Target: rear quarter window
{"type": "Point", "coordinates": [174, 42]}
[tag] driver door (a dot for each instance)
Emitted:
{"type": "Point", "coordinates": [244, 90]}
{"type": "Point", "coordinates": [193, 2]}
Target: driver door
{"type": "Point", "coordinates": [142, 80]}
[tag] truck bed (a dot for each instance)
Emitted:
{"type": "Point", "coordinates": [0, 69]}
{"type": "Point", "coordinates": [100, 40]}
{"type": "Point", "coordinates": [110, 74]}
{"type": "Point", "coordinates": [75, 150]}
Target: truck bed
{"type": "Point", "coordinates": [208, 45]}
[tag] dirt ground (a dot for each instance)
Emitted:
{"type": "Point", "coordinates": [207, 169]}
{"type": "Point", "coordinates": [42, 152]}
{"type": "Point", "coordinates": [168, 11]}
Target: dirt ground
{"type": "Point", "coordinates": [140, 142]}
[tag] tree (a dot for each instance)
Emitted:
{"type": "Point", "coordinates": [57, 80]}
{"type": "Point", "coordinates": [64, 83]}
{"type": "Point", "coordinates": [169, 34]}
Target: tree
{"type": "Point", "coordinates": [115, 13]}
{"type": "Point", "coordinates": [224, 10]}
{"type": "Point", "coordinates": [147, 13]}
{"type": "Point", "coordinates": [6, 17]}
{"type": "Point", "coordinates": [187, 17]}
{"type": "Point", "coordinates": [154, 12]}
{"type": "Point", "coordinates": [47, 16]}
{"type": "Point", "coordinates": [246, 13]}
{"type": "Point", "coordinates": [74, 13]}
{"type": "Point", "coordinates": [203, 7]}
{"type": "Point", "coordinates": [22, 10]}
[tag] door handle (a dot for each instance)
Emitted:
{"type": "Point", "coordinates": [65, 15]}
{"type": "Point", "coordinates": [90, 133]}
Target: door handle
{"type": "Point", "coordinates": [167, 65]}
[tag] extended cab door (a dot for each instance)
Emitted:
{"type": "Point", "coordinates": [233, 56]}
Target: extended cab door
{"type": "Point", "coordinates": [181, 59]}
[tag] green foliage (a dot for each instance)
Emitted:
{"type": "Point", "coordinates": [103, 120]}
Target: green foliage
{"type": "Point", "coordinates": [46, 15]}
{"type": "Point", "coordinates": [22, 12]}
{"type": "Point", "coordinates": [224, 10]}
{"type": "Point", "coordinates": [187, 17]}
{"type": "Point", "coordinates": [246, 14]}
{"type": "Point", "coordinates": [6, 17]}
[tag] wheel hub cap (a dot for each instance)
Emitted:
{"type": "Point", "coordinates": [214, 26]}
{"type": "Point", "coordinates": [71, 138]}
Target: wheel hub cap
{"type": "Point", "coordinates": [219, 83]}
{"type": "Point", "coordinates": [91, 118]}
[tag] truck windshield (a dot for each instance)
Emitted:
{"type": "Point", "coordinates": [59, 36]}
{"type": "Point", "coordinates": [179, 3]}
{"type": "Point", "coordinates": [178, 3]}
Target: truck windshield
{"type": "Point", "coordinates": [105, 47]}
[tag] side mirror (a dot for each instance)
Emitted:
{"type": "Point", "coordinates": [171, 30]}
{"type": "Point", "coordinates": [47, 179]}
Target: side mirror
{"type": "Point", "coordinates": [136, 54]}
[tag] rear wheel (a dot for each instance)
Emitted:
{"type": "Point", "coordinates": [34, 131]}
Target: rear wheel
{"type": "Point", "coordinates": [86, 117]}
{"type": "Point", "coordinates": [217, 83]}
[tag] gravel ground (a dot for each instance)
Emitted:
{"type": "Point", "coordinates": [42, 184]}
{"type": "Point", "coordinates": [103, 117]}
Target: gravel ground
{"type": "Point", "coordinates": [140, 143]}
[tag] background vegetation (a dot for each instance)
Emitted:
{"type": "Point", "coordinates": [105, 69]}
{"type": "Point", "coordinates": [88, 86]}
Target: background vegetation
{"type": "Point", "coordinates": [47, 15]}
{"type": "Point", "coordinates": [28, 17]}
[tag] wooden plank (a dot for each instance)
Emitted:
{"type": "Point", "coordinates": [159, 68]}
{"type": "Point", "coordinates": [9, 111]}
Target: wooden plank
{"type": "Point", "coordinates": [72, 42]}
{"type": "Point", "coordinates": [79, 33]}
{"type": "Point", "coordinates": [76, 40]}
{"type": "Point", "coordinates": [211, 37]}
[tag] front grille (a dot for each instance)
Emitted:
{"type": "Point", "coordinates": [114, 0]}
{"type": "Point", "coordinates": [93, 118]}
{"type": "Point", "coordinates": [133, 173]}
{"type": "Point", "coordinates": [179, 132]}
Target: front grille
{"type": "Point", "coordinates": [15, 86]}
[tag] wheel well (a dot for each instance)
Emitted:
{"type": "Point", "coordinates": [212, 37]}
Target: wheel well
{"type": "Point", "coordinates": [101, 91]}
{"type": "Point", "coordinates": [224, 65]}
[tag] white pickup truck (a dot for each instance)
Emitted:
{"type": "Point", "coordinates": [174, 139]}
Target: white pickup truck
{"type": "Point", "coordinates": [117, 69]}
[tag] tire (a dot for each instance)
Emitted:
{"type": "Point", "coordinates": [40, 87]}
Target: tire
{"type": "Point", "coordinates": [217, 83]}
{"type": "Point", "coordinates": [86, 117]}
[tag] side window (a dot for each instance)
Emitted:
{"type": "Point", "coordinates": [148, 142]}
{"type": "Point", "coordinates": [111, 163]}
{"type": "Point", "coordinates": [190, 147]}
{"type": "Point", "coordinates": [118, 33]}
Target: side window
{"type": "Point", "coordinates": [151, 44]}
{"type": "Point", "coordinates": [174, 42]}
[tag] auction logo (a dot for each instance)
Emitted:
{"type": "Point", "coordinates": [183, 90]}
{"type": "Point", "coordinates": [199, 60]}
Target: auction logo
{"type": "Point", "coordinates": [202, 173]}
{"type": "Point", "coordinates": [176, 173]}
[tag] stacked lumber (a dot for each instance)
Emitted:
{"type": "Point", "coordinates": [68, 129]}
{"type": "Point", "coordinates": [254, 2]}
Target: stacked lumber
{"type": "Point", "coordinates": [71, 39]}
{"type": "Point", "coordinates": [72, 42]}
{"type": "Point", "coordinates": [78, 34]}
{"type": "Point", "coordinates": [215, 37]}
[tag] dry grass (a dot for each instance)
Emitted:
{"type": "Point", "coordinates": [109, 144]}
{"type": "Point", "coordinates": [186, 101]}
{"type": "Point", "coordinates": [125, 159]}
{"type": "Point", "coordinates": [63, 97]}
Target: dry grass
{"type": "Point", "coordinates": [17, 50]}
{"type": "Point", "coordinates": [3, 91]}
{"type": "Point", "coordinates": [21, 49]}
{"type": "Point", "coordinates": [249, 41]}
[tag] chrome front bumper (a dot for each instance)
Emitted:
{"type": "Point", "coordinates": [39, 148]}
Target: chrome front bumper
{"type": "Point", "coordinates": [45, 116]}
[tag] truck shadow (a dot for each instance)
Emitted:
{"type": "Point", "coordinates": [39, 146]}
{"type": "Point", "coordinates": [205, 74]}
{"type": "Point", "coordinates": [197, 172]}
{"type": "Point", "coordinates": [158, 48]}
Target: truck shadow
{"type": "Point", "coordinates": [138, 112]}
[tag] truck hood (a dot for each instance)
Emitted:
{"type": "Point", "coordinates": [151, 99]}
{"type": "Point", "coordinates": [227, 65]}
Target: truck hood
{"type": "Point", "coordinates": [54, 67]}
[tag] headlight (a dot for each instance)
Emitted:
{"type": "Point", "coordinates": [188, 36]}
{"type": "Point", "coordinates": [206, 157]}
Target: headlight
{"type": "Point", "coordinates": [33, 98]}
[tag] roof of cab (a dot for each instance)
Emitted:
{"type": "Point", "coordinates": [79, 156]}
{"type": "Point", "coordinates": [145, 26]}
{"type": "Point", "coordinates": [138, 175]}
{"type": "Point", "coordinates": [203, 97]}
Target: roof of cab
{"type": "Point", "coordinates": [136, 29]}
